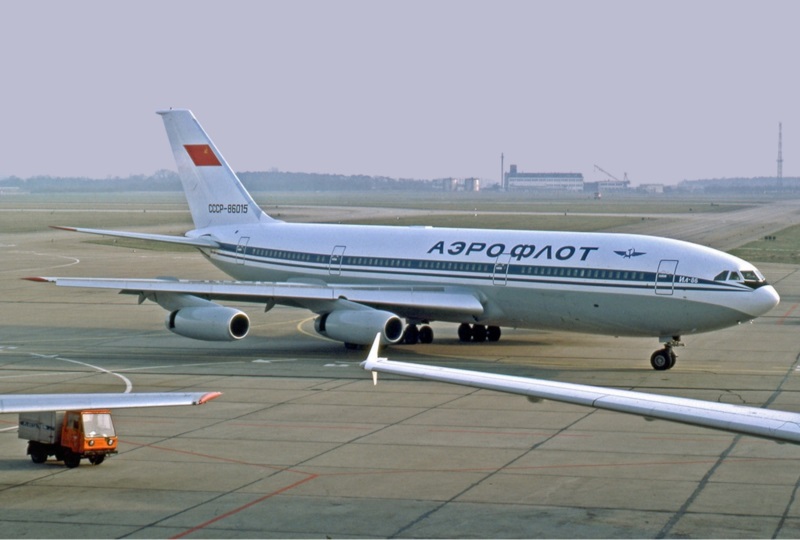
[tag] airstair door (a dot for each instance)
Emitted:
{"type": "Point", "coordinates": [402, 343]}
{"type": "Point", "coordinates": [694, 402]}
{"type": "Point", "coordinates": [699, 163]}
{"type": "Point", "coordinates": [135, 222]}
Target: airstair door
{"type": "Point", "coordinates": [665, 277]}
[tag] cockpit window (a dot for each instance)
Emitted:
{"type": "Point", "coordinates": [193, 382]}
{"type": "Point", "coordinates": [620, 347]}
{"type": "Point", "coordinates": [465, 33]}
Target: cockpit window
{"type": "Point", "coordinates": [750, 275]}
{"type": "Point", "coordinates": [751, 278]}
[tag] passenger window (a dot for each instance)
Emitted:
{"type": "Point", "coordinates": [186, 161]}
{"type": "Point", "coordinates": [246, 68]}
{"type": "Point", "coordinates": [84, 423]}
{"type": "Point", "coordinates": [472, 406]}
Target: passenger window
{"type": "Point", "coordinates": [722, 276]}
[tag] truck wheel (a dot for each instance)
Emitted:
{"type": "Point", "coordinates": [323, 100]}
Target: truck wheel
{"type": "Point", "coordinates": [97, 460]}
{"type": "Point", "coordinates": [72, 460]}
{"type": "Point", "coordinates": [38, 457]}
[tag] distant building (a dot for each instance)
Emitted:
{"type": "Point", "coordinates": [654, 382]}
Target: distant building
{"type": "Point", "coordinates": [524, 181]}
{"type": "Point", "coordinates": [461, 184]}
{"type": "Point", "coordinates": [607, 186]}
{"type": "Point", "coordinates": [652, 188]}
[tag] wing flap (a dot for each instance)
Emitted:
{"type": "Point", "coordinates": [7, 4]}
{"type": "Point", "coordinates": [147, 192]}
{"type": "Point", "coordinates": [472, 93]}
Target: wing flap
{"type": "Point", "coordinates": [12, 403]}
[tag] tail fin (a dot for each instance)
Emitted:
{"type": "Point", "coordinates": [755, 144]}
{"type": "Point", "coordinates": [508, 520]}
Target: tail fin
{"type": "Point", "coordinates": [213, 191]}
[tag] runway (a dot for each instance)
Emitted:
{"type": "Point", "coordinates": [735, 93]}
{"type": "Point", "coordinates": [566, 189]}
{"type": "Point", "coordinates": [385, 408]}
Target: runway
{"type": "Point", "coordinates": [302, 445]}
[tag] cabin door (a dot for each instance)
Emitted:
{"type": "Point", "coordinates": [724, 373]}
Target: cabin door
{"type": "Point", "coordinates": [241, 249]}
{"type": "Point", "coordinates": [501, 265]}
{"type": "Point", "coordinates": [665, 277]}
{"type": "Point", "coordinates": [337, 256]}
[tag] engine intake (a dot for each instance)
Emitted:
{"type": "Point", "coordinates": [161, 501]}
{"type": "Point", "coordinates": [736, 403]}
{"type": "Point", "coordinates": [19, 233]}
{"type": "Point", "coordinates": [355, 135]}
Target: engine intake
{"type": "Point", "coordinates": [359, 326]}
{"type": "Point", "coordinates": [208, 323]}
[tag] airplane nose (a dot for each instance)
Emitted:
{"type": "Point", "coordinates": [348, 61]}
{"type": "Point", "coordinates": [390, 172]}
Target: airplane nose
{"type": "Point", "coordinates": [764, 299]}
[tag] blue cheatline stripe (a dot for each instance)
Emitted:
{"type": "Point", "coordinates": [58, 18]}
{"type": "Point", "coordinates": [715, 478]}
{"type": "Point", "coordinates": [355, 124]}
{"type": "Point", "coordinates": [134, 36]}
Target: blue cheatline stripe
{"type": "Point", "coordinates": [516, 273]}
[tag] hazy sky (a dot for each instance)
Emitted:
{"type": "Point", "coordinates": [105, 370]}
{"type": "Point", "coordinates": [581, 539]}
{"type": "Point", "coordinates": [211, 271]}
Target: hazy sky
{"type": "Point", "coordinates": [664, 91]}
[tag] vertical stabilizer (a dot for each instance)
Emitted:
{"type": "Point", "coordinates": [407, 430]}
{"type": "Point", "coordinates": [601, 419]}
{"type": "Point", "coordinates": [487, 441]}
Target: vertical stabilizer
{"type": "Point", "coordinates": [214, 193]}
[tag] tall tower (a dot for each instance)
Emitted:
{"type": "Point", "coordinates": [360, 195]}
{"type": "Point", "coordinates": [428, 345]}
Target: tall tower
{"type": "Point", "coordinates": [780, 153]}
{"type": "Point", "coordinates": [503, 185]}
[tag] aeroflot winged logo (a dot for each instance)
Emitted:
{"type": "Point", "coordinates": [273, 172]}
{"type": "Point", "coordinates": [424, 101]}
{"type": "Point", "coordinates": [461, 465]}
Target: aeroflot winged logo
{"type": "Point", "coordinates": [630, 253]}
{"type": "Point", "coordinates": [202, 155]}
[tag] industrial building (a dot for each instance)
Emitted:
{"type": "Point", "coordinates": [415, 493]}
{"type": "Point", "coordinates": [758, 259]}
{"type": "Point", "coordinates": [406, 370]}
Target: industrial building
{"type": "Point", "coordinates": [524, 181]}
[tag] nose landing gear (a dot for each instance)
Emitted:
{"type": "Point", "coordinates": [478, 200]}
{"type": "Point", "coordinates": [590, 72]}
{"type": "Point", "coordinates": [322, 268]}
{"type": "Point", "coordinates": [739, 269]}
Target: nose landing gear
{"type": "Point", "coordinates": [665, 358]}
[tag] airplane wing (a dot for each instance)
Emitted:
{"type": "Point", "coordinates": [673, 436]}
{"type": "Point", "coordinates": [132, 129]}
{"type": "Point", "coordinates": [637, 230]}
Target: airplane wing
{"type": "Point", "coordinates": [404, 300]}
{"type": "Point", "coordinates": [200, 241]}
{"type": "Point", "coordinates": [20, 403]}
{"type": "Point", "coordinates": [770, 424]}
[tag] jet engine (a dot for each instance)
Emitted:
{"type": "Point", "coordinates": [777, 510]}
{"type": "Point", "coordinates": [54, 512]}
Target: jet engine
{"type": "Point", "coordinates": [359, 326]}
{"type": "Point", "coordinates": [217, 323]}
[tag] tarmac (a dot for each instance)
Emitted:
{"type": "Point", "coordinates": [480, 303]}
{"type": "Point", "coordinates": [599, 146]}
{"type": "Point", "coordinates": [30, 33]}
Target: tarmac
{"type": "Point", "coordinates": [301, 444]}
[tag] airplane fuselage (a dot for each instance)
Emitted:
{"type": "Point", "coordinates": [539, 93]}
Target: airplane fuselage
{"type": "Point", "coordinates": [618, 284]}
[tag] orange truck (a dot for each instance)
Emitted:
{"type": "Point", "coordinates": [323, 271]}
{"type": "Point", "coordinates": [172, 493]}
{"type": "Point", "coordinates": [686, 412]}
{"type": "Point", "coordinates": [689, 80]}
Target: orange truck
{"type": "Point", "coordinates": [69, 435]}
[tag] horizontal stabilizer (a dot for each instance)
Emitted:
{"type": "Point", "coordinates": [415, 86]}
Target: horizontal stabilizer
{"type": "Point", "coordinates": [201, 241]}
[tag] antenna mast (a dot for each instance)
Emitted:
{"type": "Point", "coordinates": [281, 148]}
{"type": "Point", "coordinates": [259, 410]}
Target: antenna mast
{"type": "Point", "coordinates": [780, 151]}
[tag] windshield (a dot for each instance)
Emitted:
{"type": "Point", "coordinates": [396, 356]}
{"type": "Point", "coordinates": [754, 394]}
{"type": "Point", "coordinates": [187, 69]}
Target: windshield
{"type": "Point", "coordinates": [98, 425]}
{"type": "Point", "coordinates": [751, 277]}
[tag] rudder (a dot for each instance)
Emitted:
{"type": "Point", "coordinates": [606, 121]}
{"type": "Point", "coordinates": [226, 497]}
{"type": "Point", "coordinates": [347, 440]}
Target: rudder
{"type": "Point", "coordinates": [215, 194]}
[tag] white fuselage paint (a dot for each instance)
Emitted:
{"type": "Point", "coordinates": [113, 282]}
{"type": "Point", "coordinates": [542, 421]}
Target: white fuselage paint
{"type": "Point", "coordinates": [616, 284]}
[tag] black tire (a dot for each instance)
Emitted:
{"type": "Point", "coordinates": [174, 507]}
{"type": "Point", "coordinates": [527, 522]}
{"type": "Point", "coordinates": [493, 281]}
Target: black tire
{"type": "Point", "coordinates": [98, 459]}
{"type": "Point", "coordinates": [72, 460]}
{"type": "Point", "coordinates": [464, 332]}
{"type": "Point", "coordinates": [493, 333]}
{"type": "Point", "coordinates": [411, 335]}
{"type": "Point", "coordinates": [426, 334]}
{"type": "Point", "coordinates": [38, 456]}
{"type": "Point", "coordinates": [662, 360]}
{"type": "Point", "coordinates": [479, 333]}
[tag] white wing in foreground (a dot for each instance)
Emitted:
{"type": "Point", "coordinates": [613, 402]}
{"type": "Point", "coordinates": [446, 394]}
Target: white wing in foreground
{"type": "Point", "coordinates": [770, 424]}
{"type": "Point", "coordinates": [13, 403]}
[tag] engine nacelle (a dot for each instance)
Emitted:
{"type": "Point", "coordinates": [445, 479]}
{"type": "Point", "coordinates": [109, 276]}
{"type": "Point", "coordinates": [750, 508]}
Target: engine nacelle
{"type": "Point", "coordinates": [217, 323]}
{"type": "Point", "coordinates": [359, 326]}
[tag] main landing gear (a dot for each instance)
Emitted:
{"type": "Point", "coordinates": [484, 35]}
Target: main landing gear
{"type": "Point", "coordinates": [478, 333]}
{"type": "Point", "coordinates": [417, 334]}
{"type": "Point", "coordinates": [665, 358]}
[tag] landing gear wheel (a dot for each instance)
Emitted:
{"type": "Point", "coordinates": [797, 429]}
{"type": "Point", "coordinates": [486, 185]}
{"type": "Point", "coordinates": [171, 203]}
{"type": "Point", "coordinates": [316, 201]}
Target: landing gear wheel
{"type": "Point", "coordinates": [493, 333]}
{"type": "Point", "coordinates": [464, 332]}
{"type": "Point", "coordinates": [663, 359]}
{"type": "Point", "coordinates": [426, 334]}
{"type": "Point", "coordinates": [411, 335]}
{"type": "Point", "coordinates": [479, 333]}
{"type": "Point", "coordinates": [97, 460]}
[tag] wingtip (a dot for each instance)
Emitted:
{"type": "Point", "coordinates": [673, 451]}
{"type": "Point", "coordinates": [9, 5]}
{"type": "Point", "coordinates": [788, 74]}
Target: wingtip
{"type": "Point", "coordinates": [373, 352]}
{"type": "Point", "coordinates": [38, 279]}
{"type": "Point", "coordinates": [62, 228]}
{"type": "Point", "coordinates": [208, 397]}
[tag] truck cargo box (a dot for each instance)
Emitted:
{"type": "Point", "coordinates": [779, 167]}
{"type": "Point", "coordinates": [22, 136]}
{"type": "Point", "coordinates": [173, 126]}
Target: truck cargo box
{"type": "Point", "coordinates": [43, 427]}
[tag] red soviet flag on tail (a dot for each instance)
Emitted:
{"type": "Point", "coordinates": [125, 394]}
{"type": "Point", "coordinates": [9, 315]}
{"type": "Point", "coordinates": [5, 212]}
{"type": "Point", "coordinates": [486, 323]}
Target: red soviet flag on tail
{"type": "Point", "coordinates": [202, 155]}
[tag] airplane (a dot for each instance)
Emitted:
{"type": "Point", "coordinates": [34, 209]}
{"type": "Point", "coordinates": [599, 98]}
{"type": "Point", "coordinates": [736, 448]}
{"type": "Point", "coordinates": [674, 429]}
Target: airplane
{"type": "Point", "coordinates": [23, 403]}
{"type": "Point", "coordinates": [781, 426]}
{"type": "Point", "coordinates": [363, 280]}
